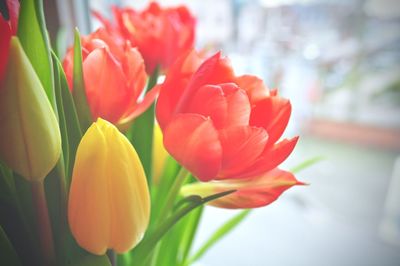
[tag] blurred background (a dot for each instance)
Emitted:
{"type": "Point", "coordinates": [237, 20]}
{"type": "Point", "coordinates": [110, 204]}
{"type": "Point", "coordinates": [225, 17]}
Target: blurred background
{"type": "Point", "coordinates": [338, 62]}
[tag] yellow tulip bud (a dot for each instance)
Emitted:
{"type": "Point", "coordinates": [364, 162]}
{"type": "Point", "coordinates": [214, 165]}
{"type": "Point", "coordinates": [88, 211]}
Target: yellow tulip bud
{"type": "Point", "coordinates": [159, 154]}
{"type": "Point", "coordinates": [109, 201]}
{"type": "Point", "coordinates": [30, 140]}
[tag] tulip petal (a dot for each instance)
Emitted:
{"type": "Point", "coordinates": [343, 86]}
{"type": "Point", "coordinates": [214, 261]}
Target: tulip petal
{"type": "Point", "coordinates": [193, 141]}
{"type": "Point", "coordinates": [251, 193]}
{"type": "Point", "coordinates": [88, 206]}
{"type": "Point", "coordinates": [175, 84]}
{"type": "Point", "coordinates": [241, 147]}
{"type": "Point", "coordinates": [5, 33]}
{"type": "Point", "coordinates": [105, 85]}
{"type": "Point", "coordinates": [272, 113]}
{"type": "Point", "coordinates": [215, 70]}
{"type": "Point", "coordinates": [270, 158]}
{"type": "Point", "coordinates": [225, 104]}
{"type": "Point", "coordinates": [141, 107]}
{"type": "Point", "coordinates": [128, 192]}
{"type": "Point", "coordinates": [254, 87]}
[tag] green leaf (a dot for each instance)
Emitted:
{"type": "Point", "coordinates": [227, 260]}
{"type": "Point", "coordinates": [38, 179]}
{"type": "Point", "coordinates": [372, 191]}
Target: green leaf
{"type": "Point", "coordinates": [61, 115]}
{"type": "Point", "coordinates": [190, 230]}
{"type": "Point", "coordinates": [219, 234]}
{"type": "Point", "coordinates": [141, 132]}
{"type": "Point", "coordinates": [144, 249]}
{"type": "Point", "coordinates": [79, 92]}
{"type": "Point", "coordinates": [8, 256]}
{"type": "Point", "coordinates": [72, 133]}
{"type": "Point", "coordinates": [35, 41]}
{"type": "Point", "coordinates": [175, 245]}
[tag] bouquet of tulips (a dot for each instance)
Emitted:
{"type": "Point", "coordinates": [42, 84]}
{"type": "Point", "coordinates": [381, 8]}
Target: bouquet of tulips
{"type": "Point", "coordinates": [103, 163]}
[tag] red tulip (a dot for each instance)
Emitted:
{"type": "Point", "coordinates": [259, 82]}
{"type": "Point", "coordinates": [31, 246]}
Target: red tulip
{"type": "Point", "coordinates": [8, 28]}
{"type": "Point", "coordinates": [161, 34]}
{"type": "Point", "coordinates": [114, 75]}
{"type": "Point", "coordinates": [250, 193]}
{"type": "Point", "coordinates": [220, 126]}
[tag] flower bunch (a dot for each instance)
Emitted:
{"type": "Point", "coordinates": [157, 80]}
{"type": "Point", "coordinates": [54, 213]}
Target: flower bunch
{"type": "Point", "coordinates": [98, 158]}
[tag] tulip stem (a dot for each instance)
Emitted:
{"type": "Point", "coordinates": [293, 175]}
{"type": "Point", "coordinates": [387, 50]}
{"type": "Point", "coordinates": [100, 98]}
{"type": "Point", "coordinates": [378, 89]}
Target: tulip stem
{"type": "Point", "coordinates": [43, 223]}
{"type": "Point", "coordinates": [173, 192]}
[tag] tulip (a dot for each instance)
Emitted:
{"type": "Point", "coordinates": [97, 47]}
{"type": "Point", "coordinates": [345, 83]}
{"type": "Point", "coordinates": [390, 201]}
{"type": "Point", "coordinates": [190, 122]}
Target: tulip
{"type": "Point", "coordinates": [114, 75]}
{"type": "Point", "coordinates": [109, 202]}
{"type": "Point", "coordinates": [161, 34]}
{"type": "Point", "coordinates": [249, 193]}
{"type": "Point", "coordinates": [30, 140]}
{"type": "Point", "coordinates": [221, 126]}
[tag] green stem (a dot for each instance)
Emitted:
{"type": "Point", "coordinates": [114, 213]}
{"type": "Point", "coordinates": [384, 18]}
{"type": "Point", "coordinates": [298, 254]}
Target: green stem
{"type": "Point", "coordinates": [112, 257]}
{"type": "Point", "coordinates": [43, 223]}
{"type": "Point", "coordinates": [173, 192]}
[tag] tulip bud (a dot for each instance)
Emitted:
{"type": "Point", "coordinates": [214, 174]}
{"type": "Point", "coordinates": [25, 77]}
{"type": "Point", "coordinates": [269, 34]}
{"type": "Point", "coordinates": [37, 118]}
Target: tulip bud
{"type": "Point", "coordinates": [250, 193]}
{"type": "Point", "coordinates": [30, 140]}
{"type": "Point", "coordinates": [109, 202]}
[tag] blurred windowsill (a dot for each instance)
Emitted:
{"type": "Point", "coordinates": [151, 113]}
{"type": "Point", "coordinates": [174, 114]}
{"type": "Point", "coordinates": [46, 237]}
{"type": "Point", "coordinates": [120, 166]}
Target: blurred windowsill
{"type": "Point", "coordinates": [373, 136]}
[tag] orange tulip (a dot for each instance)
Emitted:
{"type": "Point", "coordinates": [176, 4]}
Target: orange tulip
{"type": "Point", "coordinates": [161, 34]}
{"type": "Point", "coordinates": [114, 75]}
{"type": "Point", "coordinates": [220, 126]}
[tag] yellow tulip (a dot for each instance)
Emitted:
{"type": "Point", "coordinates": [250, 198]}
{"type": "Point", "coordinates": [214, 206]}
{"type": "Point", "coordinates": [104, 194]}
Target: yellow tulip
{"type": "Point", "coordinates": [109, 201]}
{"type": "Point", "coordinates": [159, 154]}
{"type": "Point", "coordinates": [30, 140]}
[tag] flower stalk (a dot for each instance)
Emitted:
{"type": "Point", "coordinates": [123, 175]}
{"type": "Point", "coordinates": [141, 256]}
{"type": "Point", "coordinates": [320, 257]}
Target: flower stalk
{"type": "Point", "coordinates": [43, 223]}
{"type": "Point", "coordinates": [171, 197]}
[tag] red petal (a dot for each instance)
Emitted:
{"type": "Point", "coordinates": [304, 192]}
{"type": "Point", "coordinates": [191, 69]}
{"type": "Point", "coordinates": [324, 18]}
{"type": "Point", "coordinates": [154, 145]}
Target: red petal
{"type": "Point", "coordinates": [5, 33]}
{"type": "Point", "coordinates": [270, 158]}
{"type": "Point", "coordinates": [142, 106]}
{"type": "Point", "coordinates": [135, 73]}
{"type": "Point", "coordinates": [213, 71]}
{"type": "Point", "coordinates": [175, 83]}
{"type": "Point", "coordinates": [240, 148]}
{"type": "Point", "coordinates": [225, 104]}
{"type": "Point", "coordinates": [273, 114]}
{"type": "Point", "coordinates": [105, 86]}
{"type": "Point", "coordinates": [254, 87]}
{"type": "Point", "coordinates": [193, 141]}
{"type": "Point", "coordinates": [254, 192]}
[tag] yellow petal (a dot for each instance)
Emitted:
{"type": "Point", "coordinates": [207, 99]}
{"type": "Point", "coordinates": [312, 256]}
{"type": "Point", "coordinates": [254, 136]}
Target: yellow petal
{"type": "Point", "coordinates": [30, 140]}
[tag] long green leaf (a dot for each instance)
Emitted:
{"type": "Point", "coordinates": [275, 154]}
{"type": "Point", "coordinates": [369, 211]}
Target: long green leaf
{"type": "Point", "coordinates": [79, 92]}
{"type": "Point", "coordinates": [35, 41]}
{"type": "Point", "coordinates": [144, 249]}
{"type": "Point", "coordinates": [219, 234]}
{"type": "Point", "coordinates": [141, 132]}
{"type": "Point", "coordinates": [73, 130]}
{"type": "Point", "coordinates": [61, 113]}
{"type": "Point", "coordinates": [8, 256]}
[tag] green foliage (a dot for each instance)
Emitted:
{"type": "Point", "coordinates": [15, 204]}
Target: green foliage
{"type": "Point", "coordinates": [35, 41]}
{"type": "Point", "coordinates": [141, 132]}
{"type": "Point", "coordinates": [8, 256]}
{"type": "Point", "coordinates": [79, 92]}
